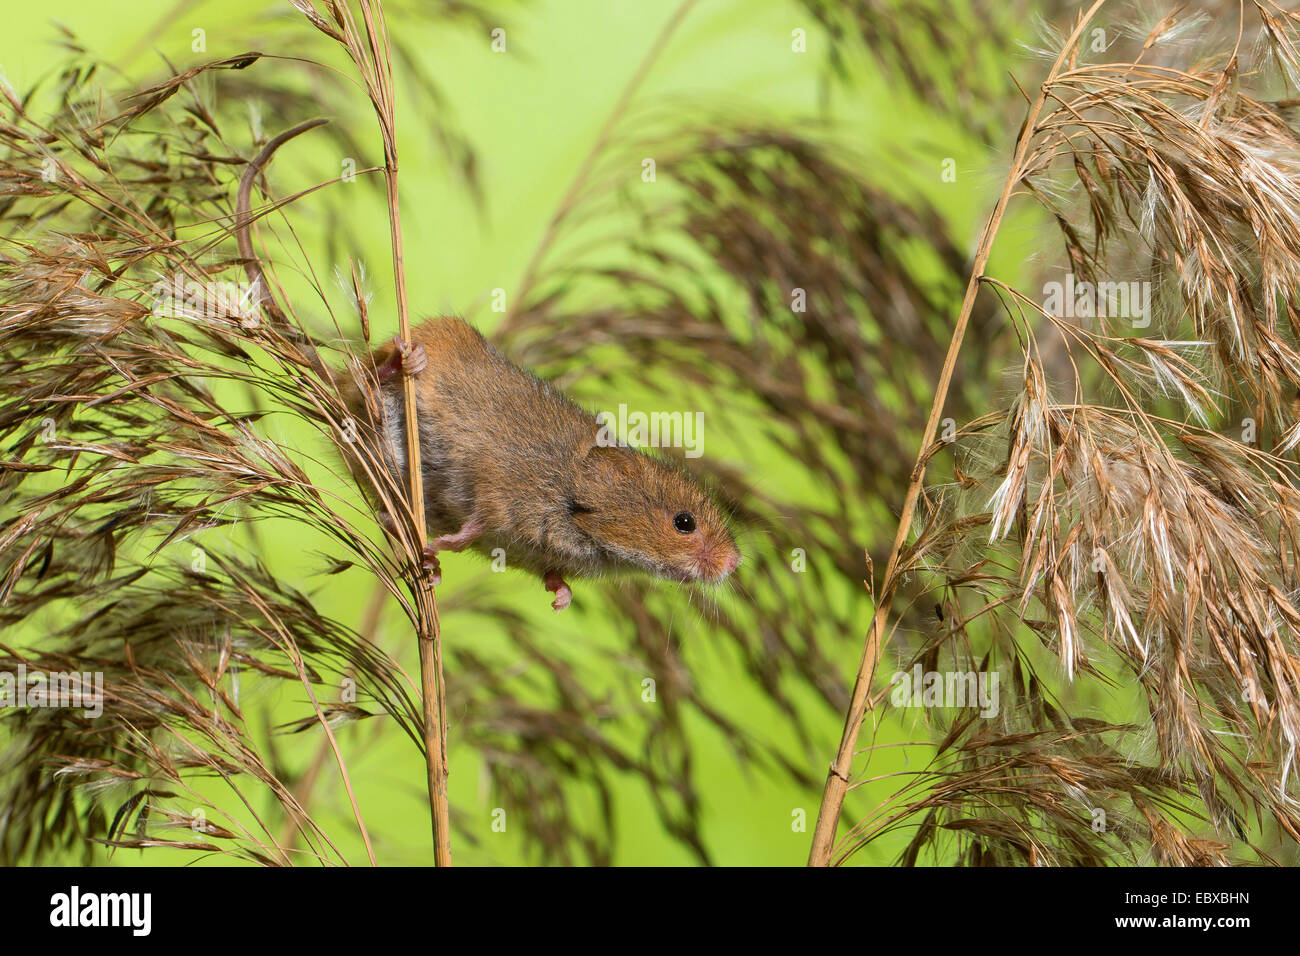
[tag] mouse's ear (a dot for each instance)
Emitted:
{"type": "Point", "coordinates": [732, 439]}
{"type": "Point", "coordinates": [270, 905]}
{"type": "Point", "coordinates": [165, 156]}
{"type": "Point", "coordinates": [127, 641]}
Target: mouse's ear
{"type": "Point", "coordinates": [608, 462]}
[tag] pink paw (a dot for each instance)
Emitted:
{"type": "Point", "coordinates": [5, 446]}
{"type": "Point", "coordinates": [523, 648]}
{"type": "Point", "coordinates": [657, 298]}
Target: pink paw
{"type": "Point", "coordinates": [407, 358]}
{"type": "Point", "coordinates": [415, 361]}
{"type": "Point", "coordinates": [563, 595]}
{"type": "Point", "coordinates": [461, 539]}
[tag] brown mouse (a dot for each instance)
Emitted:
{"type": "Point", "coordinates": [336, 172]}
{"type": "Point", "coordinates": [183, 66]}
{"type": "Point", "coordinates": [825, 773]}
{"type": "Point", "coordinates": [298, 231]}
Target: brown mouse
{"type": "Point", "coordinates": [510, 463]}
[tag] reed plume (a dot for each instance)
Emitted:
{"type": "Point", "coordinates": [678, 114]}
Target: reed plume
{"type": "Point", "coordinates": [1131, 509]}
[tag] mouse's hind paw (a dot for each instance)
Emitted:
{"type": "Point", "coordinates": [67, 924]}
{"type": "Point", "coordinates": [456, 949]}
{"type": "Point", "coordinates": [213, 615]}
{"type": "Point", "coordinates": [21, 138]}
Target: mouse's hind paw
{"type": "Point", "coordinates": [563, 595]}
{"type": "Point", "coordinates": [471, 529]}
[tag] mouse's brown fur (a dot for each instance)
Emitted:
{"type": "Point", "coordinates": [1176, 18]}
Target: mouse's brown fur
{"type": "Point", "coordinates": [509, 462]}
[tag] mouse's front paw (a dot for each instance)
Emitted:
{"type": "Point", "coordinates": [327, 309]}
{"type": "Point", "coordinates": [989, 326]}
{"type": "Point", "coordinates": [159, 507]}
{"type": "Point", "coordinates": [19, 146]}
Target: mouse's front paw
{"type": "Point", "coordinates": [415, 360]}
{"type": "Point", "coordinates": [406, 357]}
{"type": "Point", "coordinates": [563, 595]}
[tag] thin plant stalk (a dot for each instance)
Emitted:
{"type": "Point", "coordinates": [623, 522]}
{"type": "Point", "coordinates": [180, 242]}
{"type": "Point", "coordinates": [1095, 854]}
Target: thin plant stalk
{"type": "Point", "coordinates": [375, 63]}
{"type": "Point", "coordinates": [432, 686]}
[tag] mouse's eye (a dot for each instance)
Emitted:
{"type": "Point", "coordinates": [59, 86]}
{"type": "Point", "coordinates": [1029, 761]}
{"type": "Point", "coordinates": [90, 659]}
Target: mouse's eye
{"type": "Point", "coordinates": [684, 522]}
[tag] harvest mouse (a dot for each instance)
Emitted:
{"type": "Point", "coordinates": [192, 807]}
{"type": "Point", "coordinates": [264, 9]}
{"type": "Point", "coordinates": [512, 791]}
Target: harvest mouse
{"type": "Point", "coordinates": [510, 463]}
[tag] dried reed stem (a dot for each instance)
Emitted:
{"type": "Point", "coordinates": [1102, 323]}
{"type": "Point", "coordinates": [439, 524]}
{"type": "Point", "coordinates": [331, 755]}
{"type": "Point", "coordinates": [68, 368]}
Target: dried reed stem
{"type": "Point", "coordinates": [374, 61]}
{"type": "Point", "coordinates": [837, 780]}
{"type": "Point", "coordinates": [432, 687]}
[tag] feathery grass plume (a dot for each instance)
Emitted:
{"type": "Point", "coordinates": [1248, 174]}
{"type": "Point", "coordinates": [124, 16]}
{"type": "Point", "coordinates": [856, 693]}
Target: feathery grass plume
{"type": "Point", "coordinates": [137, 376]}
{"type": "Point", "coordinates": [1138, 529]}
